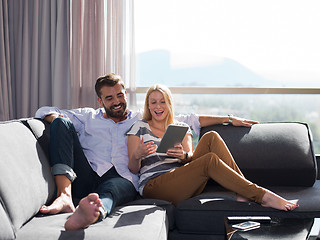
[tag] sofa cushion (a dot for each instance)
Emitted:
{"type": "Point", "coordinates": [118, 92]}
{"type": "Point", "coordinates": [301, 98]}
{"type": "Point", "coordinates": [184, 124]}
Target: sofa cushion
{"type": "Point", "coordinates": [205, 213]}
{"type": "Point", "coordinates": [6, 230]}
{"type": "Point", "coordinates": [157, 202]}
{"type": "Point", "coordinates": [129, 222]}
{"type": "Point", "coordinates": [176, 235]}
{"type": "Point", "coordinates": [26, 181]}
{"type": "Point", "coordinates": [272, 154]}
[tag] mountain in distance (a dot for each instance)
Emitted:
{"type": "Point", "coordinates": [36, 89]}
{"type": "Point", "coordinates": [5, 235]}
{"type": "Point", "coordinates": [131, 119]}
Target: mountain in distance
{"type": "Point", "coordinates": [154, 67]}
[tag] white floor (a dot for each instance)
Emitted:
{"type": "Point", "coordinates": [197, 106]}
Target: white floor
{"type": "Point", "coordinates": [315, 229]}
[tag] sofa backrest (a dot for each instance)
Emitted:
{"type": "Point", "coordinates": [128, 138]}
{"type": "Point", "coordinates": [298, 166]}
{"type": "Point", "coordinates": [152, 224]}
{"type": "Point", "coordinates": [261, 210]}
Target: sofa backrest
{"type": "Point", "coordinates": [272, 154]}
{"type": "Point", "coordinates": [41, 131]}
{"type": "Point", "coordinates": [26, 182]}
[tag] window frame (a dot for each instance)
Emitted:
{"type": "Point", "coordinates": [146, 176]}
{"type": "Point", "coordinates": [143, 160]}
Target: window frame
{"type": "Point", "coordinates": [234, 90]}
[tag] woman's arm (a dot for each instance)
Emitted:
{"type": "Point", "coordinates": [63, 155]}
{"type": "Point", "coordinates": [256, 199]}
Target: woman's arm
{"type": "Point", "coordinates": [137, 149]}
{"type": "Point", "coordinates": [213, 120]}
{"type": "Point", "coordinates": [188, 148]}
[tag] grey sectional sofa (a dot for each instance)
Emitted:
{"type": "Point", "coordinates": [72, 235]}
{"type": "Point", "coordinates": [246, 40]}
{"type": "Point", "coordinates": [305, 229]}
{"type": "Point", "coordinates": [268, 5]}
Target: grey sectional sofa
{"type": "Point", "coordinates": [277, 155]}
{"type": "Point", "coordinates": [26, 183]}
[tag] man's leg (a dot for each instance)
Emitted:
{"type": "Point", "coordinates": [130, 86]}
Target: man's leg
{"type": "Point", "coordinates": [114, 190]}
{"type": "Point", "coordinates": [87, 213]}
{"type": "Point", "coordinates": [63, 202]}
{"type": "Point", "coordinates": [64, 149]}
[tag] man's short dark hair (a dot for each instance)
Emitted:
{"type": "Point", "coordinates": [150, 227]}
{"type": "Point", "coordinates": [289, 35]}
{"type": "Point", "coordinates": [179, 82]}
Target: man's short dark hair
{"type": "Point", "coordinates": [108, 80]}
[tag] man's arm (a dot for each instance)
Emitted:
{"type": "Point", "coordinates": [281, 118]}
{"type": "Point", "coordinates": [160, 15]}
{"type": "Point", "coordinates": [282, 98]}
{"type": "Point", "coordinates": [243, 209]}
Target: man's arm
{"type": "Point", "coordinates": [48, 113]}
{"type": "Point", "coordinates": [49, 118]}
{"type": "Point", "coordinates": [207, 120]}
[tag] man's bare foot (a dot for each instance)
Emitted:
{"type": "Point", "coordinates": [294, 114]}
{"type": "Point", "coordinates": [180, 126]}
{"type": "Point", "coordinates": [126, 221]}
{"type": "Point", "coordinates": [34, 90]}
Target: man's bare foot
{"type": "Point", "coordinates": [271, 199]}
{"type": "Point", "coordinates": [62, 204]}
{"type": "Point", "coordinates": [86, 213]}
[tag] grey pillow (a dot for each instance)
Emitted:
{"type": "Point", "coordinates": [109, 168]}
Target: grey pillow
{"type": "Point", "coordinates": [272, 154]}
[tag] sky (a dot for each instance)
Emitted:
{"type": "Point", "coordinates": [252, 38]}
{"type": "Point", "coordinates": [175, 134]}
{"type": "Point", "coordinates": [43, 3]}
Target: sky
{"type": "Point", "coordinates": [278, 39]}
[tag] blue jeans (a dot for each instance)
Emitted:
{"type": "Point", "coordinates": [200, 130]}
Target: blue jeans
{"type": "Point", "coordinates": [67, 158]}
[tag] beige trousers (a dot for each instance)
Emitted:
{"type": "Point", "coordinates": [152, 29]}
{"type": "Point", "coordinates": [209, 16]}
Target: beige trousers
{"type": "Point", "coordinates": [211, 159]}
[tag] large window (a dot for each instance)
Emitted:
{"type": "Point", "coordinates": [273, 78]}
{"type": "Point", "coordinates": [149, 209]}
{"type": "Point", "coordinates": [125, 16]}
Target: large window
{"type": "Point", "coordinates": [247, 43]}
{"type": "Point", "coordinates": [265, 43]}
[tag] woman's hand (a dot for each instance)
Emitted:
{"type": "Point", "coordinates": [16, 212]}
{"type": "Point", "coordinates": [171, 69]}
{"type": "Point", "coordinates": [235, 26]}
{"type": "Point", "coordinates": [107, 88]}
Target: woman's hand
{"type": "Point", "coordinates": [213, 120]}
{"type": "Point", "coordinates": [177, 152]}
{"type": "Point", "coordinates": [137, 149]}
{"type": "Point", "coordinates": [145, 149]}
{"type": "Point", "coordinates": [236, 121]}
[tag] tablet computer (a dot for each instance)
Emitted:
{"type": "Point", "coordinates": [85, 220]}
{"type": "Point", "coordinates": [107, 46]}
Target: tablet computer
{"type": "Point", "coordinates": [173, 135]}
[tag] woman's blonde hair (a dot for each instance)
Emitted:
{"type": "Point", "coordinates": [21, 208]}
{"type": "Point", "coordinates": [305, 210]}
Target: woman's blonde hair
{"type": "Point", "coordinates": [168, 100]}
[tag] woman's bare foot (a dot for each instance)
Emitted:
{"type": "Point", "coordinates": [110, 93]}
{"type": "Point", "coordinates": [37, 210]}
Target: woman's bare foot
{"type": "Point", "coordinates": [62, 204]}
{"type": "Point", "coordinates": [242, 198]}
{"type": "Point", "coordinates": [86, 213]}
{"type": "Point", "coordinates": [271, 199]}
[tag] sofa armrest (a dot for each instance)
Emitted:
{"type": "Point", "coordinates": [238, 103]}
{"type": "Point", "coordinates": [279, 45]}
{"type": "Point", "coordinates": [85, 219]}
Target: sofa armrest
{"type": "Point", "coordinates": [272, 154]}
{"type": "Point", "coordinates": [318, 165]}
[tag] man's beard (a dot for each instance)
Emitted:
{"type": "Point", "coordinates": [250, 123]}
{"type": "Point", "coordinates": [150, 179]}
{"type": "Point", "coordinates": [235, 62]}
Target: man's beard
{"type": "Point", "coordinates": [116, 114]}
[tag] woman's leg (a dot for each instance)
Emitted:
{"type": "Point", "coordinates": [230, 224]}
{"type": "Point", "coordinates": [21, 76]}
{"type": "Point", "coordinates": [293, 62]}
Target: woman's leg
{"type": "Point", "coordinates": [186, 181]}
{"type": "Point", "coordinates": [211, 142]}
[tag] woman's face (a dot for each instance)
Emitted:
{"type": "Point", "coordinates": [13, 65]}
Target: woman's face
{"type": "Point", "coordinates": [157, 106]}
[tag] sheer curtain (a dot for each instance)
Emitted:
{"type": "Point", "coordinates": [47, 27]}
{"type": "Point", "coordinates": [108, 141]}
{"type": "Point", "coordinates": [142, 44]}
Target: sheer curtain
{"type": "Point", "coordinates": [33, 56]}
{"type": "Point", "coordinates": [6, 105]}
{"type": "Point", "coordinates": [52, 51]}
{"type": "Point", "coordinates": [120, 42]}
{"type": "Point", "coordinates": [102, 42]}
{"type": "Point", "coordinates": [87, 50]}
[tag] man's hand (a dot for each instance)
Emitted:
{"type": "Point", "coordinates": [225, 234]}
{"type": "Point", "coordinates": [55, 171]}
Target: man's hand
{"type": "Point", "coordinates": [53, 116]}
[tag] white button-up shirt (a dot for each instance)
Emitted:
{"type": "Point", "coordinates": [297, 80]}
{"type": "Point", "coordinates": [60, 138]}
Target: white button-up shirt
{"type": "Point", "coordinates": [104, 142]}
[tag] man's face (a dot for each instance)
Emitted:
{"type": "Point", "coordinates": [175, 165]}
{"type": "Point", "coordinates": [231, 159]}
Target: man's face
{"type": "Point", "coordinates": [114, 101]}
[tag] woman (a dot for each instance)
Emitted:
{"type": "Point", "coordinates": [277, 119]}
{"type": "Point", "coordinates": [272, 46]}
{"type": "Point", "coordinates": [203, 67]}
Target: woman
{"type": "Point", "coordinates": [183, 173]}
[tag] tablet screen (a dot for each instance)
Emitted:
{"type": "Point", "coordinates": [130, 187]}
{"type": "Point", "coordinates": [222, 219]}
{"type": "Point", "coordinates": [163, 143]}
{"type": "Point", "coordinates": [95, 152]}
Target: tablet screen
{"type": "Point", "coordinates": [173, 135]}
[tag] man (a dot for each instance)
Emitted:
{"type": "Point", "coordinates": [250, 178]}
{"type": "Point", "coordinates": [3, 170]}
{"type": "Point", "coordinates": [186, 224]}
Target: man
{"type": "Point", "coordinates": [88, 151]}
